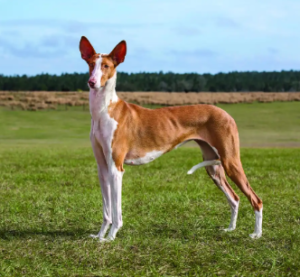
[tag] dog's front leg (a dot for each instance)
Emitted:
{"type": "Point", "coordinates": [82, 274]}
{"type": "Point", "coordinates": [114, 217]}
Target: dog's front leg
{"type": "Point", "coordinates": [103, 175]}
{"type": "Point", "coordinates": [106, 202]}
{"type": "Point", "coordinates": [115, 181]}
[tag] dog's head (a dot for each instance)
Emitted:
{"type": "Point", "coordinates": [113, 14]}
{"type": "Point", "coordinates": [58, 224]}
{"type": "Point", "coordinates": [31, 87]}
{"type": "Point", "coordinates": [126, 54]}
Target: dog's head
{"type": "Point", "coordinates": [102, 67]}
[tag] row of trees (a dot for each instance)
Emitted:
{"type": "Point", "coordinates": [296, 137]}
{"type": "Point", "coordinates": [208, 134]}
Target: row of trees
{"type": "Point", "coordinates": [189, 82]}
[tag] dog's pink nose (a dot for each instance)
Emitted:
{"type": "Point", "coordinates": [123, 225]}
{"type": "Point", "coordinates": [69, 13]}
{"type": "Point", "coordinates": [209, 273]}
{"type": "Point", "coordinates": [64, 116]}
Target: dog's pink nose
{"type": "Point", "coordinates": [92, 82]}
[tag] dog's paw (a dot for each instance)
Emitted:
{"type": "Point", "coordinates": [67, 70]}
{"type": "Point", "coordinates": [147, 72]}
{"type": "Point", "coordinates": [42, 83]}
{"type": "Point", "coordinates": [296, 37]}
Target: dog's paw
{"type": "Point", "coordinates": [110, 238]}
{"type": "Point", "coordinates": [229, 229]}
{"type": "Point", "coordinates": [255, 235]}
{"type": "Point", "coordinates": [98, 237]}
{"type": "Point", "coordinates": [94, 236]}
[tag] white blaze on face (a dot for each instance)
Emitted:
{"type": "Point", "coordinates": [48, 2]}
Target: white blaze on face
{"type": "Point", "coordinates": [97, 73]}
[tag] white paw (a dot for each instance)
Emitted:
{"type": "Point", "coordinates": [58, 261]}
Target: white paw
{"type": "Point", "coordinates": [229, 229]}
{"type": "Point", "coordinates": [255, 235]}
{"type": "Point", "coordinates": [100, 239]}
{"type": "Point", "coordinates": [110, 238]}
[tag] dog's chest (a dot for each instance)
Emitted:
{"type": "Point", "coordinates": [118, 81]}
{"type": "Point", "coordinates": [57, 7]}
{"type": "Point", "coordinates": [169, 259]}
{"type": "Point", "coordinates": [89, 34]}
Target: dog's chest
{"type": "Point", "coordinates": [103, 125]}
{"type": "Point", "coordinates": [103, 129]}
{"type": "Point", "coordinates": [96, 102]}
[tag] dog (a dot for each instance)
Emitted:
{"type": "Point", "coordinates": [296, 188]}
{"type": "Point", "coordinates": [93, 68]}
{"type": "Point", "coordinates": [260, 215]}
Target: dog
{"type": "Point", "coordinates": [124, 133]}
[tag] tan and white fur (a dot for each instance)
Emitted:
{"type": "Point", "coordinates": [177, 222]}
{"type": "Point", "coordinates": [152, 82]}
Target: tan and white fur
{"type": "Point", "coordinates": [126, 133]}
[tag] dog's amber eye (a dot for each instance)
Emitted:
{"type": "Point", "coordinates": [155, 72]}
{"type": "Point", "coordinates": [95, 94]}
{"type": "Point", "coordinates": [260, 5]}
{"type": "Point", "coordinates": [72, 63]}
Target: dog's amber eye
{"type": "Point", "coordinates": [106, 66]}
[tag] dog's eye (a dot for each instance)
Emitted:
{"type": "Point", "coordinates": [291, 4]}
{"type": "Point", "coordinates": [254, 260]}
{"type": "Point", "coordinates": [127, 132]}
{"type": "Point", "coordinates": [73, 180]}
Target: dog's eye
{"type": "Point", "coordinates": [91, 64]}
{"type": "Point", "coordinates": [106, 66]}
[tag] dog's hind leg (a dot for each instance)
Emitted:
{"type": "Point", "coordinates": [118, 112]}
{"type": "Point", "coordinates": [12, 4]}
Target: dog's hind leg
{"type": "Point", "coordinates": [234, 170]}
{"type": "Point", "coordinates": [217, 174]}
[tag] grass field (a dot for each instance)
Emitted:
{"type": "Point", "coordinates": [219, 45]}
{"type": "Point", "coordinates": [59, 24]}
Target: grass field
{"type": "Point", "coordinates": [50, 202]}
{"type": "Point", "coordinates": [274, 124]}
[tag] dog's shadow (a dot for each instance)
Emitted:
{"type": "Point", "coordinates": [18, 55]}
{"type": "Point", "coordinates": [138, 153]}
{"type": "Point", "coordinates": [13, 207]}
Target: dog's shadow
{"type": "Point", "coordinates": [46, 234]}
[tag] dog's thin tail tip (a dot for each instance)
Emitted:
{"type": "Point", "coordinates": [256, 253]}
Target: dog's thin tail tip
{"type": "Point", "coordinates": [203, 164]}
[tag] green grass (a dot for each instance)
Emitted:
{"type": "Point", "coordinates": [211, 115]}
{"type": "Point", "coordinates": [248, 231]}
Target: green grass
{"type": "Point", "coordinates": [274, 124]}
{"type": "Point", "coordinates": [50, 202]}
{"type": "Point", "coordinates": [47, 126]}
{"type": "Point", "coordinates": [260, 125]}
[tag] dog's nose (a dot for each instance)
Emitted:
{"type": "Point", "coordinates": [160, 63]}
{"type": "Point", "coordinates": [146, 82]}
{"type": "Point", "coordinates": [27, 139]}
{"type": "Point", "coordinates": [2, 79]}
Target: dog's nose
{"type": "Point", "coordinates": [92, 83]}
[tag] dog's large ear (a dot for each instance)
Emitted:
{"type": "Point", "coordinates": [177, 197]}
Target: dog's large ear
{"type": "Point", "coordinates": [119, 53]}
{"type": "Point", "coordinates": [86, 48]}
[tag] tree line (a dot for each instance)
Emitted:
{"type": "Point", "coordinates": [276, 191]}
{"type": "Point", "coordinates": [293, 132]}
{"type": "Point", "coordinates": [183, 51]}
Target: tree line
{"type": "Point", "coordinates": [284, 81]}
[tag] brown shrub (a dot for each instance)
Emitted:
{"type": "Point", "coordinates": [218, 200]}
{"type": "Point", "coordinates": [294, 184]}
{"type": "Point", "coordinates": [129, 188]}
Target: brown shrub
{"type": "Point", "coordinates": [49, 100]}
{"type": "Point", "coordinates": [6, 97]}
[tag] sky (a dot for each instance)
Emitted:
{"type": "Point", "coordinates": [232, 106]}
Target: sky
{"type": "Point", "coordinates": [162, 35]}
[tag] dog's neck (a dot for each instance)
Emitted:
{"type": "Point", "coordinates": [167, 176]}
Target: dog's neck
{"type": "Point", "coordinates": [102, 97]}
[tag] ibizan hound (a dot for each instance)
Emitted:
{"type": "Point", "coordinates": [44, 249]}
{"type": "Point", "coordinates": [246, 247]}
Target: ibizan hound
{"type": "Point", "coordinates": [127, 133]}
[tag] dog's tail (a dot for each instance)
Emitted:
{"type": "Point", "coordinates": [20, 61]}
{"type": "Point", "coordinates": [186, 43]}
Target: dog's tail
{"type": "Point", "coordinates": [203, 164]}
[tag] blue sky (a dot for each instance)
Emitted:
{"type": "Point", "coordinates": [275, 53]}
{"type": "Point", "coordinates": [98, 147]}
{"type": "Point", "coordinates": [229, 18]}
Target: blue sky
{"type": "Point", "coordinates": [169, 35]}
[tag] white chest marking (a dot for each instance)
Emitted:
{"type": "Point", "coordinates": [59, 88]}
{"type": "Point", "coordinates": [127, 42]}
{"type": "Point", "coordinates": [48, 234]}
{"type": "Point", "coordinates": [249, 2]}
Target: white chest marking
{"type": "Point", "coordinates": [104, 130]}
{"type": "Point", "coordinates": [149, 157]}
